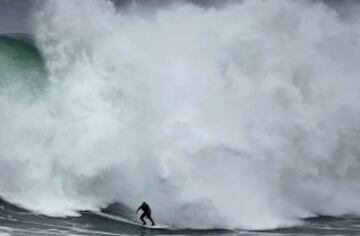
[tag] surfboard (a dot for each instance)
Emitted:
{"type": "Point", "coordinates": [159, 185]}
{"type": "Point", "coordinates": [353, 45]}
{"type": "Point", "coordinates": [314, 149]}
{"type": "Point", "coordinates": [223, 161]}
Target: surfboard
{"type": "Point", "coordinates": [157, 226]}
{"type": "Point", "coordinates": [117, 218]}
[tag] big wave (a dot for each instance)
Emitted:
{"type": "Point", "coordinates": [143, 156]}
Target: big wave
{"type": "Point", "coordinates": [241, 116]}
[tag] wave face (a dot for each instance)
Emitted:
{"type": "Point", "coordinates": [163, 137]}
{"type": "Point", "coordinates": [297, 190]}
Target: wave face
{"type": "Point", "coordinates": [21, 64]}
{"type": "Point", "coordinates": [243, 116]}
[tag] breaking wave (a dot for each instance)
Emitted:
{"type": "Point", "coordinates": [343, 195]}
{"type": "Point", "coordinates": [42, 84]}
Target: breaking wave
{"type": "Point", "coordinates": [240, 116]}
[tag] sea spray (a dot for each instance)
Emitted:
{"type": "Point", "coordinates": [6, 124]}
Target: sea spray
{"type": "Point", "coordinates": [243, 116]}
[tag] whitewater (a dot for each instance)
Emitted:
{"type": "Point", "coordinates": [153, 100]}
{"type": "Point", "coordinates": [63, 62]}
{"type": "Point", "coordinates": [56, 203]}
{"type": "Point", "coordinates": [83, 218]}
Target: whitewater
{"type": "Point", "coordinates": [241, 116]}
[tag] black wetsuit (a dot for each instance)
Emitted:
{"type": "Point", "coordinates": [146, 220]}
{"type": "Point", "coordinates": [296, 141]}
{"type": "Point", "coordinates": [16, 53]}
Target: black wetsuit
{"type": "Point", "coordinates": [146, 213]}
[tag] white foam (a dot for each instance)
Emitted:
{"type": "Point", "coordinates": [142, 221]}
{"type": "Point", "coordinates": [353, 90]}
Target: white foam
{"type": "Point", "coordinates": [243, 116]}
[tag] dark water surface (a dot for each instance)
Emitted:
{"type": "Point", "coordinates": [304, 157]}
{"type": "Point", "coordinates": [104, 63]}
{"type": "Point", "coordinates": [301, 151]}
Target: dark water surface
{"type": "Point", "coordinates": [16, 221]}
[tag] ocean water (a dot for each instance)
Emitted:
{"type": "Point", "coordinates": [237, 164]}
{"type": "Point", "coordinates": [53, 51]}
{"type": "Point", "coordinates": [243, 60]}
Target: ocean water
{"type": "Point", "coordinates": [228, 117]}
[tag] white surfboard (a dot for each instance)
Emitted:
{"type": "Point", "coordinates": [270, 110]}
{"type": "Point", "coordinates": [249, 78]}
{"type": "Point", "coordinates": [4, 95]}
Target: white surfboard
{"type": "Point", "coordinates": [157, 226]}
{"type": "Point", "coordinates": [109, 216]}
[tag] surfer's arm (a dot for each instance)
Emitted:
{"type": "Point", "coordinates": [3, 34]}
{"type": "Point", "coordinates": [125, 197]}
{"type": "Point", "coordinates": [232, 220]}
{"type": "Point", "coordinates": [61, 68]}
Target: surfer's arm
{"type": "Point", "coordinates": [138, 209]}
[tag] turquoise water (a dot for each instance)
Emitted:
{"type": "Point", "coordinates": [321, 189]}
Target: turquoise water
{"type": "Point", "coordinates": [21, 64]}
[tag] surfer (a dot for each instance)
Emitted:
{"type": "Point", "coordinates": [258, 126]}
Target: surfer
{"type": "Point", "coordinates": [146, 213]}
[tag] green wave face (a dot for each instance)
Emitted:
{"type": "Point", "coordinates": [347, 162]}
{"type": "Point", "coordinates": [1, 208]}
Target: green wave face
{"type": "Point", "coordinates": [21, 65]}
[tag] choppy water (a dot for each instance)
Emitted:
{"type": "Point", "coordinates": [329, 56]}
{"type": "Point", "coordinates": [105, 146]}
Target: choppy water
{"type": "Point", "coordinates": [16, 221]}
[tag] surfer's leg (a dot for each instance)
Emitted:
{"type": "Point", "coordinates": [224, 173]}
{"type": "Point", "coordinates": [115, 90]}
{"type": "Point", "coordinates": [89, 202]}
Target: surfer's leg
{"type": "Point", "coordinates": [142, 218]}
{"type": "Point", "coordinates": [149, 217]}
